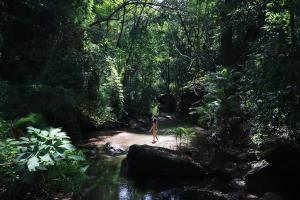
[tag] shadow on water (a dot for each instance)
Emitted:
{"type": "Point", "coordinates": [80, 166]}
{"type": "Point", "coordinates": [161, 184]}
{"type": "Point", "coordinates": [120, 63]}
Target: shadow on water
{"type": "Point", "coordinates": [106, 183]}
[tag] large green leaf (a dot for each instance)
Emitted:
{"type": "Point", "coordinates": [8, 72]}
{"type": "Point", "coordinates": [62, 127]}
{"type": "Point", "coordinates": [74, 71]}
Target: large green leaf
{"type": "Point", "coordinates": [77, 157]}
{"type": "Point", "coordinates": [24, 138]}
{"type": "Point", "coordinates": [67, 147]}
{"type": "Point", "coordinates": [47, 159]}
{"type": "Point", "coordinates": [33, 163]}
{"type": "Point", "coordinates": [83, 169]}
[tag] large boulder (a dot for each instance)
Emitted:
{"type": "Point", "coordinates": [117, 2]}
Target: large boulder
{"type": "Point", "coordinates": [277, 173]}
{"type": "Point", "coordinates": [285, 162]}
{"type": "Point", "coordinates": [260, 178]}
{"type": "Point", "coordinates": [158, 162]}
{"type": "Point", "coordinates": [139, 124]}
{"type": "Point", "coordinates": [284, 157]}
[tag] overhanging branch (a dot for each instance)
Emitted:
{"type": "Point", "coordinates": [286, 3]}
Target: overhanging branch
{"type": "Point", "coordinates": [109, 17]}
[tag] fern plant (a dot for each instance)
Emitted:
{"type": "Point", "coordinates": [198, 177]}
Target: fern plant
{"type": "Point", "coordinates": [182, 133]}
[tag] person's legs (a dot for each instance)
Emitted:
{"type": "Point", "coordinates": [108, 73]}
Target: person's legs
{"type": "Point", "coordinates": [153, 134]}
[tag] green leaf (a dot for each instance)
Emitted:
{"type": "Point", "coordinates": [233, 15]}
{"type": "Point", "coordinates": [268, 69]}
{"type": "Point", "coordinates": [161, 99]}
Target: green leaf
{"type": "Point", "coordinates": [68, 147]}
{"type": "Point", "coordinates": [33, 130]}
{"type": "Point", "coordinates": [19, 157]}
{"type": "Point", "coordinates": [44, 133]}
{"type": "Point", "coordinates": [23, 149]}
{"type": "Point", "coordinates": [83, 169]}
{"type": "Point", "coordinates": [58, 156]}
{"type": "Point", "coordinates": [76, 157]}
{"type": "Point", "coordinates": [41, 167]}
{"type": "Point", "coordinates": [53, 132]}
{"type": "Point", "coordinates": [46, 158]}
{"type": "Point", "coordinates": [24, 138]}
{"type": "Point", "coordinates": [33, 163]}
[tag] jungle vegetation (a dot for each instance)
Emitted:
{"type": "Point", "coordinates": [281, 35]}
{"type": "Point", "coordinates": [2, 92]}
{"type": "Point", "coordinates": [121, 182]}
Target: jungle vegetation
{"type": "Point", "coordinates": [88, 64]}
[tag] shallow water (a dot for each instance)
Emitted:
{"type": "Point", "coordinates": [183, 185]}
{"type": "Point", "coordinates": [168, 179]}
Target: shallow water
{"type": "Point", "coordinates": [107, 183]}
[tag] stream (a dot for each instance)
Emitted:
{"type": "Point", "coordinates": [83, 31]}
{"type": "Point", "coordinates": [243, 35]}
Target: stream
{"type": "Point", "coordinates": [106, 181]}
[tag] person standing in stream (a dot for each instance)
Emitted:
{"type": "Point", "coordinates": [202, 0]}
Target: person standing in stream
{"type": "Point", "coordinates": [154, 130]}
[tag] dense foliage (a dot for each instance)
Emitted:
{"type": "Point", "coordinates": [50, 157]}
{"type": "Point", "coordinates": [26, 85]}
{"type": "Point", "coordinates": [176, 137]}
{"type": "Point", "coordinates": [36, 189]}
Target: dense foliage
{"type": "Point", "coordinates": [86, 64]}
{"type": "Point", "coordinates": [42, 158]}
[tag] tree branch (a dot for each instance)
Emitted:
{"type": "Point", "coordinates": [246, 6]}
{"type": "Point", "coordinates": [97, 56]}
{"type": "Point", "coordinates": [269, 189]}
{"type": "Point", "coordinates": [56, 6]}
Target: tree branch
{"type": "Point", "coordinates": [123, 5]}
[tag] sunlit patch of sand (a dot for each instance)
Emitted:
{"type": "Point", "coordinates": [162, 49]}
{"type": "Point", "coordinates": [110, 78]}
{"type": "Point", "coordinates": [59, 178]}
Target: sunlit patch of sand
{"type": "Point", "coordinates": [125, 139]}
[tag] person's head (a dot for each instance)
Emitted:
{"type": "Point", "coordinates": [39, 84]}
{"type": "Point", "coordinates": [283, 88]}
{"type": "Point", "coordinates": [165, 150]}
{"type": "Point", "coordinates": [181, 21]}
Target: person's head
{"type": "Point", "coordinates": [154, 120]}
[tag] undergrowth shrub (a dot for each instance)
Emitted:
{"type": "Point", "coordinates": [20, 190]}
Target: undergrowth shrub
{"type": "Point", "coordinates": [42, 159]}
{"type": "Point", "coordinates": [182, 133]}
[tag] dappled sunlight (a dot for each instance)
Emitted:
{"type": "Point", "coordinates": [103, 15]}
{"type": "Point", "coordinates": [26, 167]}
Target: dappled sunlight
{"type": "Point", "coordinates": [125, 139]}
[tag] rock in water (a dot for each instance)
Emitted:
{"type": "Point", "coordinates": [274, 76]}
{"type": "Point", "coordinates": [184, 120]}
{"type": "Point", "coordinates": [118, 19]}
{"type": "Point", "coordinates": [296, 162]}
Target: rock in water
{"type": "Point", "coordinates": [158, 162]}
{"type": "Point", "coordinates": [114, 150]}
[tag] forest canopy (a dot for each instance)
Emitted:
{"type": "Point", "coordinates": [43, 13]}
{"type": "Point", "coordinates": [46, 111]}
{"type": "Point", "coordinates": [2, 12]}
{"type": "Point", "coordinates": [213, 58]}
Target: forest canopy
{"type": "Point", "coordinates": [84, 64]}
{"type": "Point", "coordinates": [88, 64]}
{"type": "Point", "coordinates": [233, 66]}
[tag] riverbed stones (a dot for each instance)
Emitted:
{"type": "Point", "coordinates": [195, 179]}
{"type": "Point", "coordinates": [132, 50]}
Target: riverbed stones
{"type": "Point", "coordinates": [203, 194]}
{"type": "Point", "coordinates": [238, 184]}
{"type": "Point", "coordinates": [150, 161]}
{"type": "Point", "coordinates": [114, 150]}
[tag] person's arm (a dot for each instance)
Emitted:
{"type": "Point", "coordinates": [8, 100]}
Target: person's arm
{"type": "Point", "coordinates": [151, 128]}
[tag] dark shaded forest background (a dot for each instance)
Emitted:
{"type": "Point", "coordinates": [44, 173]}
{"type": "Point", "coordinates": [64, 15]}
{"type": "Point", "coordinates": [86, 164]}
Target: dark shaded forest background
{"type": "Point", "coordinates": [89, 64]}
{"type": "Point", "coordinates": [86, 64]}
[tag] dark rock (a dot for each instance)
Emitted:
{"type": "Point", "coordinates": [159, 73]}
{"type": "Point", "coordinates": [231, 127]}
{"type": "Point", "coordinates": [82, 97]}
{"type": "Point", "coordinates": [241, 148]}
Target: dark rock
{"type": "Point", "coordinates": [278, 173]}
{"type": "Point", "coordinates": [259, 178]}
{"type": "Point", "coordinates": [242, 157]}
{"type": "Point", "coordinates": [282, 154]}
{"type": "Point", "coordinates": [251, 197]}
{"type": "Point", "coordinates": [247, 156]}
{"type": "Point", "coordinates": [203, 195]}
{"type": "Point", "coordinates": [236, 195]}
{"type": "Point", "coordinates": [138, 124]}
{"type": "Point", "coordinates": [271, 196]}
{"type": "Point", "coordinates": [232, 153]}
{"type": "Point", "coordinates": [114, 150]}
{"type": "Point", "coordinates": [148, 161]}
{"type": "Point", "coordinates": [238, 184]}
{"type": "Point", "coordinates": [285, 162]}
